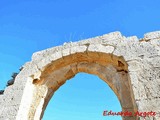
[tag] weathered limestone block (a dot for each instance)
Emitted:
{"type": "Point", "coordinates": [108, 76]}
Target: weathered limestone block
{"type": "Point", "coordinates": [100, 48]}
{"type": "Point", "coordinates": [78, 49]}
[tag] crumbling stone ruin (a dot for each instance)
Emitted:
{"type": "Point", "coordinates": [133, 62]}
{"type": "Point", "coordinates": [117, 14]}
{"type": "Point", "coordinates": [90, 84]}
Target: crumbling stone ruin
{"type": "Point", "coordinates": [131, 67]}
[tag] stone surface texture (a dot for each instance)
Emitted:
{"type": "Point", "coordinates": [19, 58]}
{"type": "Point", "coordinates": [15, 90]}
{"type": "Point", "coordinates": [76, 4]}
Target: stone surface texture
{"type": "Point", "coordinates": [131, 67]}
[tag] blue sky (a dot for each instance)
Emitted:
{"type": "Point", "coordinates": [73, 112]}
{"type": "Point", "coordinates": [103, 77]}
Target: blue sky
{"type": "Point", "coordinates": [83, 97]}
{"type": "Point", "coordinates": [33, 25]}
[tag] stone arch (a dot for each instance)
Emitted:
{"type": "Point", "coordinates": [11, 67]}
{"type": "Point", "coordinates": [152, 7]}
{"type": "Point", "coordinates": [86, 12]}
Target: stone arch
{"type": "Point", "coordinates": [110, 68]}
{"type": "Point", "coordinates": [128, 65]}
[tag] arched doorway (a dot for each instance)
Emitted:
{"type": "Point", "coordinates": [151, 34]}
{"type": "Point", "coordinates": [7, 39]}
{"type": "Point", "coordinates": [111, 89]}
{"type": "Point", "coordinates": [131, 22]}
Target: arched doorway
{"type": "Point", "coordinates": [83, 97]}
{"type": "Point", "coordinates": [110, 68]}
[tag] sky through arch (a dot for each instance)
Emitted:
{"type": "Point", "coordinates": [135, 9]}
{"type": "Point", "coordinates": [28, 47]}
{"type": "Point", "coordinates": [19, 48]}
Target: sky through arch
{"type": "Point", "coordinates": [83, 97]}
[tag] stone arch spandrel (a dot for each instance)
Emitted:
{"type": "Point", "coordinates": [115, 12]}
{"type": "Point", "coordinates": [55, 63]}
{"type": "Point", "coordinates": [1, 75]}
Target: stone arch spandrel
{"type": "Point", "coordinates": [142, 57]}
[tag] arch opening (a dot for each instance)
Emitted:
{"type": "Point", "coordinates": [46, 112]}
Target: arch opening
{"type": "Point", "coordinates": [84, 96]}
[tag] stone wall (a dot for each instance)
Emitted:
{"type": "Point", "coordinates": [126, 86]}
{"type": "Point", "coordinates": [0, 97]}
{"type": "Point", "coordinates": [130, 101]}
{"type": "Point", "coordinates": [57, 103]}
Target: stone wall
{"type": "Point", "coordinates": [131, 67]}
